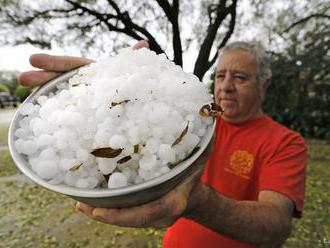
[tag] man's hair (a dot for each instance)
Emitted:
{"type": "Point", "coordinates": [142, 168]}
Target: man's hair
{"type": "Point", "coordinates": [258, 51]}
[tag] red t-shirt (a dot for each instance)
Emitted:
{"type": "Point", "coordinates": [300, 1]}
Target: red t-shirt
{"type": "Point", "coordinates": [247, 158]}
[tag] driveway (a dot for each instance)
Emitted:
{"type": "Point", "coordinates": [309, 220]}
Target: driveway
{"type": "Point", "coordinates": [6, 115]}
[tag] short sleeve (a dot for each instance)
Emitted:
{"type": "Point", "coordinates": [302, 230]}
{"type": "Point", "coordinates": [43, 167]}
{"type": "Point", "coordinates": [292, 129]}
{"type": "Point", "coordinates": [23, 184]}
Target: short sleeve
{"type": "Point", "coordinates": [285, 172]}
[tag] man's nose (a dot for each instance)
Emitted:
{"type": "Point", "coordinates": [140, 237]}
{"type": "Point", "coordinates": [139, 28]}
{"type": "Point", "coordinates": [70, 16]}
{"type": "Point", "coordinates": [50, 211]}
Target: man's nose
{"type": "Point", "coordinates": [228, 83]}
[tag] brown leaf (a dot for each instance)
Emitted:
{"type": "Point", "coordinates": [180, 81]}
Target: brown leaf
{"type": "Point", "coordinates": [75, 167]}
{"type": "Point", "coordinates": [211, 109]}
{"type": "Point", "coordinates": [118, 103]}
{"type": "Point", "coordinates": [215, 107]}
{"type": "Point", "coordinates": [106, 152]}
{"type": "Point", "coordinates": [205, 110]}
{"type": "Point", "coordinates": [106, 177]}
{"type": "Point", "coordinates": [75, 85]}
{"type": "Point", "coordinates": [124, 159]}
{"type": "Point", "coordinates": [183, 133]}
{"type": "Point", "coordinates": [137, 148]}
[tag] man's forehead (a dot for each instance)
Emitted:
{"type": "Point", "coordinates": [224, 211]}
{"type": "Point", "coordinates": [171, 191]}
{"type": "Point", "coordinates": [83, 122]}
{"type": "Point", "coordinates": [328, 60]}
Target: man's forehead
{"type": "Point", "coordinates": [237, 60]}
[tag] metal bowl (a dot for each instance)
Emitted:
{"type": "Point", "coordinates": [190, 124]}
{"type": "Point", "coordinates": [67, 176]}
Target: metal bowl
{"type": "Point", "coordinates": [128, 196]}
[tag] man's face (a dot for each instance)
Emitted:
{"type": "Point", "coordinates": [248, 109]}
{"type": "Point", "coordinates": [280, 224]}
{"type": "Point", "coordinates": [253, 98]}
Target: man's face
{"type": "Point", "coordinates": [236, 88]}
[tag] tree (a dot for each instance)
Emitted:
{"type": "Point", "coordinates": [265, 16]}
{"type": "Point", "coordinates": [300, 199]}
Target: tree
{"type": "Point", "coordinates": [9, 79]}
{"type": "Point", "coordinates": [300, 51]}
{"type": "Point", "coordinates": [299, 44]}
{"type": "Point", "coordinates": [22, 92]}
{"type": "Point", "coordinates": [96, 23]}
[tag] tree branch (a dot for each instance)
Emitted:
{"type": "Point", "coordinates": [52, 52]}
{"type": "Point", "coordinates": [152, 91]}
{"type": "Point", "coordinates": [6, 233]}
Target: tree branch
{"type": "Point", "coordinates": [114, 6]}
{"type": "Point", "coordinates": [305, 19]}
{"type": "Point", "coordinates": [41, 14]}
{"type": "Point", "coordinates": [167, 8]}
{"type": "Point", "coordinates": [227, 36]}
{"type": "Point", "coordinates": [130, 27]}
{"type": "Point", "coordinates": [89, 11]}
{"type": "Point", "coordinates": [172, 14]}
{"type": "Point", "coordinates": [202, 63]}
{"type": "Point", "coordinates": [39, 43]}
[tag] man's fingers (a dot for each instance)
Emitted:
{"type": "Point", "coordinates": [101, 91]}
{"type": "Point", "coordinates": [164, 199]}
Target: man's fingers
{"type": "Point", "coordinates": [57, 63]}
{"type": "Point", "coordinates": [141, 216]}
{"type": "Point", "coordinates": [86, 209]}
{"type": "Point", "coordinates": [34, 78]}
{"type": "Point", "coordinates": [140, 44]}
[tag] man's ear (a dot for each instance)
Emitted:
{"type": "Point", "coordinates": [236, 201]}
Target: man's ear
{"type": "Point", "coordinates": [267, 83]}
{"type": "Point", "coordinates": [264, 87]}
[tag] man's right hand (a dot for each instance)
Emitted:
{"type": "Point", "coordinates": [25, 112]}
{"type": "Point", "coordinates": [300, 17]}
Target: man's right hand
{"type": "Point", "coordinates": [52, 66]}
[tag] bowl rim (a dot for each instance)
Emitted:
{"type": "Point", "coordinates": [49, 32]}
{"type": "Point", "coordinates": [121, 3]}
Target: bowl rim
{"type": "Point", "coordinates": [23, 165]}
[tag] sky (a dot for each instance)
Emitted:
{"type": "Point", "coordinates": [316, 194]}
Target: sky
{"type": "Point", "coordinates": [17, 58]}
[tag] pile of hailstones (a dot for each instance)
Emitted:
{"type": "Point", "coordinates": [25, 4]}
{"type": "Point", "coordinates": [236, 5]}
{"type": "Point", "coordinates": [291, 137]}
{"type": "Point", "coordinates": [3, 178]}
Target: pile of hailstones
{"type": "Point", "coordinates": [118, 122]}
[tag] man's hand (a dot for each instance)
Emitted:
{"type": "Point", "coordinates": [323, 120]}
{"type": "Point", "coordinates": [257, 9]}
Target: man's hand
{"type": "Point", "coordinates": [160, 213]}
{"type": "Point", "coordinates": [53, 66]}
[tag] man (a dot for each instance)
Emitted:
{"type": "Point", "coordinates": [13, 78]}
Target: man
{"type": "Point", "coordinates": [254, 181]}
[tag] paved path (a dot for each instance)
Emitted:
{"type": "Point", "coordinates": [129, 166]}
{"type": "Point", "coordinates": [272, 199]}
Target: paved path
{"type": "Point", "coordinates": [6, 115]}
{"type": "Point", "coordinates": [3, 148]}
{"type": "Point", "coordinates": [15, 178]}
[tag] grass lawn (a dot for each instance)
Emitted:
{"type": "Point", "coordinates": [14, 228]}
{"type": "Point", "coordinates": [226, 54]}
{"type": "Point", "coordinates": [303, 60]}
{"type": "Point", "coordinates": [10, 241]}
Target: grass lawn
{"type": "Point", "coordinates": [3, 134]}
{"type": "Point", "coordinates": [313, 230]}
{"type": "Point", "coordinates": [31, 216]}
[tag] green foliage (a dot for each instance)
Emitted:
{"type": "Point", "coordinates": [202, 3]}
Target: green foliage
{"type": "Point", "coordinates": [22, 92]}
{"type": "Point", "coordinates": [3, 88]}
{"type": "Point", "coordinates": [9, 79]}
{"type": "Point", "coordinates": [299, 94]}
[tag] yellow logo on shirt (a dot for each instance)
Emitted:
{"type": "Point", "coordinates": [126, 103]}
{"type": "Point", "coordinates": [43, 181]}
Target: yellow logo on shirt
{"type": "Point", "coordinates": [241, 163]}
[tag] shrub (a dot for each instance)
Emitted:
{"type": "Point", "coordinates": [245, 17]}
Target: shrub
{"type": "Point", "coordinates": [22, 92]}
{"type": "Point", "coordinates": [3, 88]}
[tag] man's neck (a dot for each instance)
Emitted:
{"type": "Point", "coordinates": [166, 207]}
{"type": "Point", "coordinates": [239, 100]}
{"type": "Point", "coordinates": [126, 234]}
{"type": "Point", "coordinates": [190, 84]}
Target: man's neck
{"type": "Point", "coordinates": [255, 115]}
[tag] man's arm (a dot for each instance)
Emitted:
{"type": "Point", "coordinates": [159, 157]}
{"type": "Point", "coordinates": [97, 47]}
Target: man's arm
{"type": "Point", "coordinates": [266, 222]}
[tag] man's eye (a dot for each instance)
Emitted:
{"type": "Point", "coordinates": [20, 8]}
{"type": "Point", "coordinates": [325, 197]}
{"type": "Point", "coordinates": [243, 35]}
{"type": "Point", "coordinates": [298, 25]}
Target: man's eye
{"type": "Point", "coordinates": [220, 76]}
{"type": "Point", "coordinates": [241, 77]}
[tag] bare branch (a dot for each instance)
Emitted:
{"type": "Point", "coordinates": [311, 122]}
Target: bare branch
{"type": "Point", "coordinates": [130, 27]}
{"type": "Point", "coordinates": [41, 14]}
{"type": "Point", "coordinates": [227, 36]}
{"type": "Point", "coordinates": [305, 19]}
{"type": "Point", "coordinates": [114, 6]}
{"type": "Point", "coordinates": [172, 14]}
{"type": "Point", "coordinates": [165, 5]}
{"type": "Point", "coordinates": [202, 63]}
{"type": "Point", "coordinates": [39, 43]}
{"type": "Point", "coordinates": [98, 15]}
